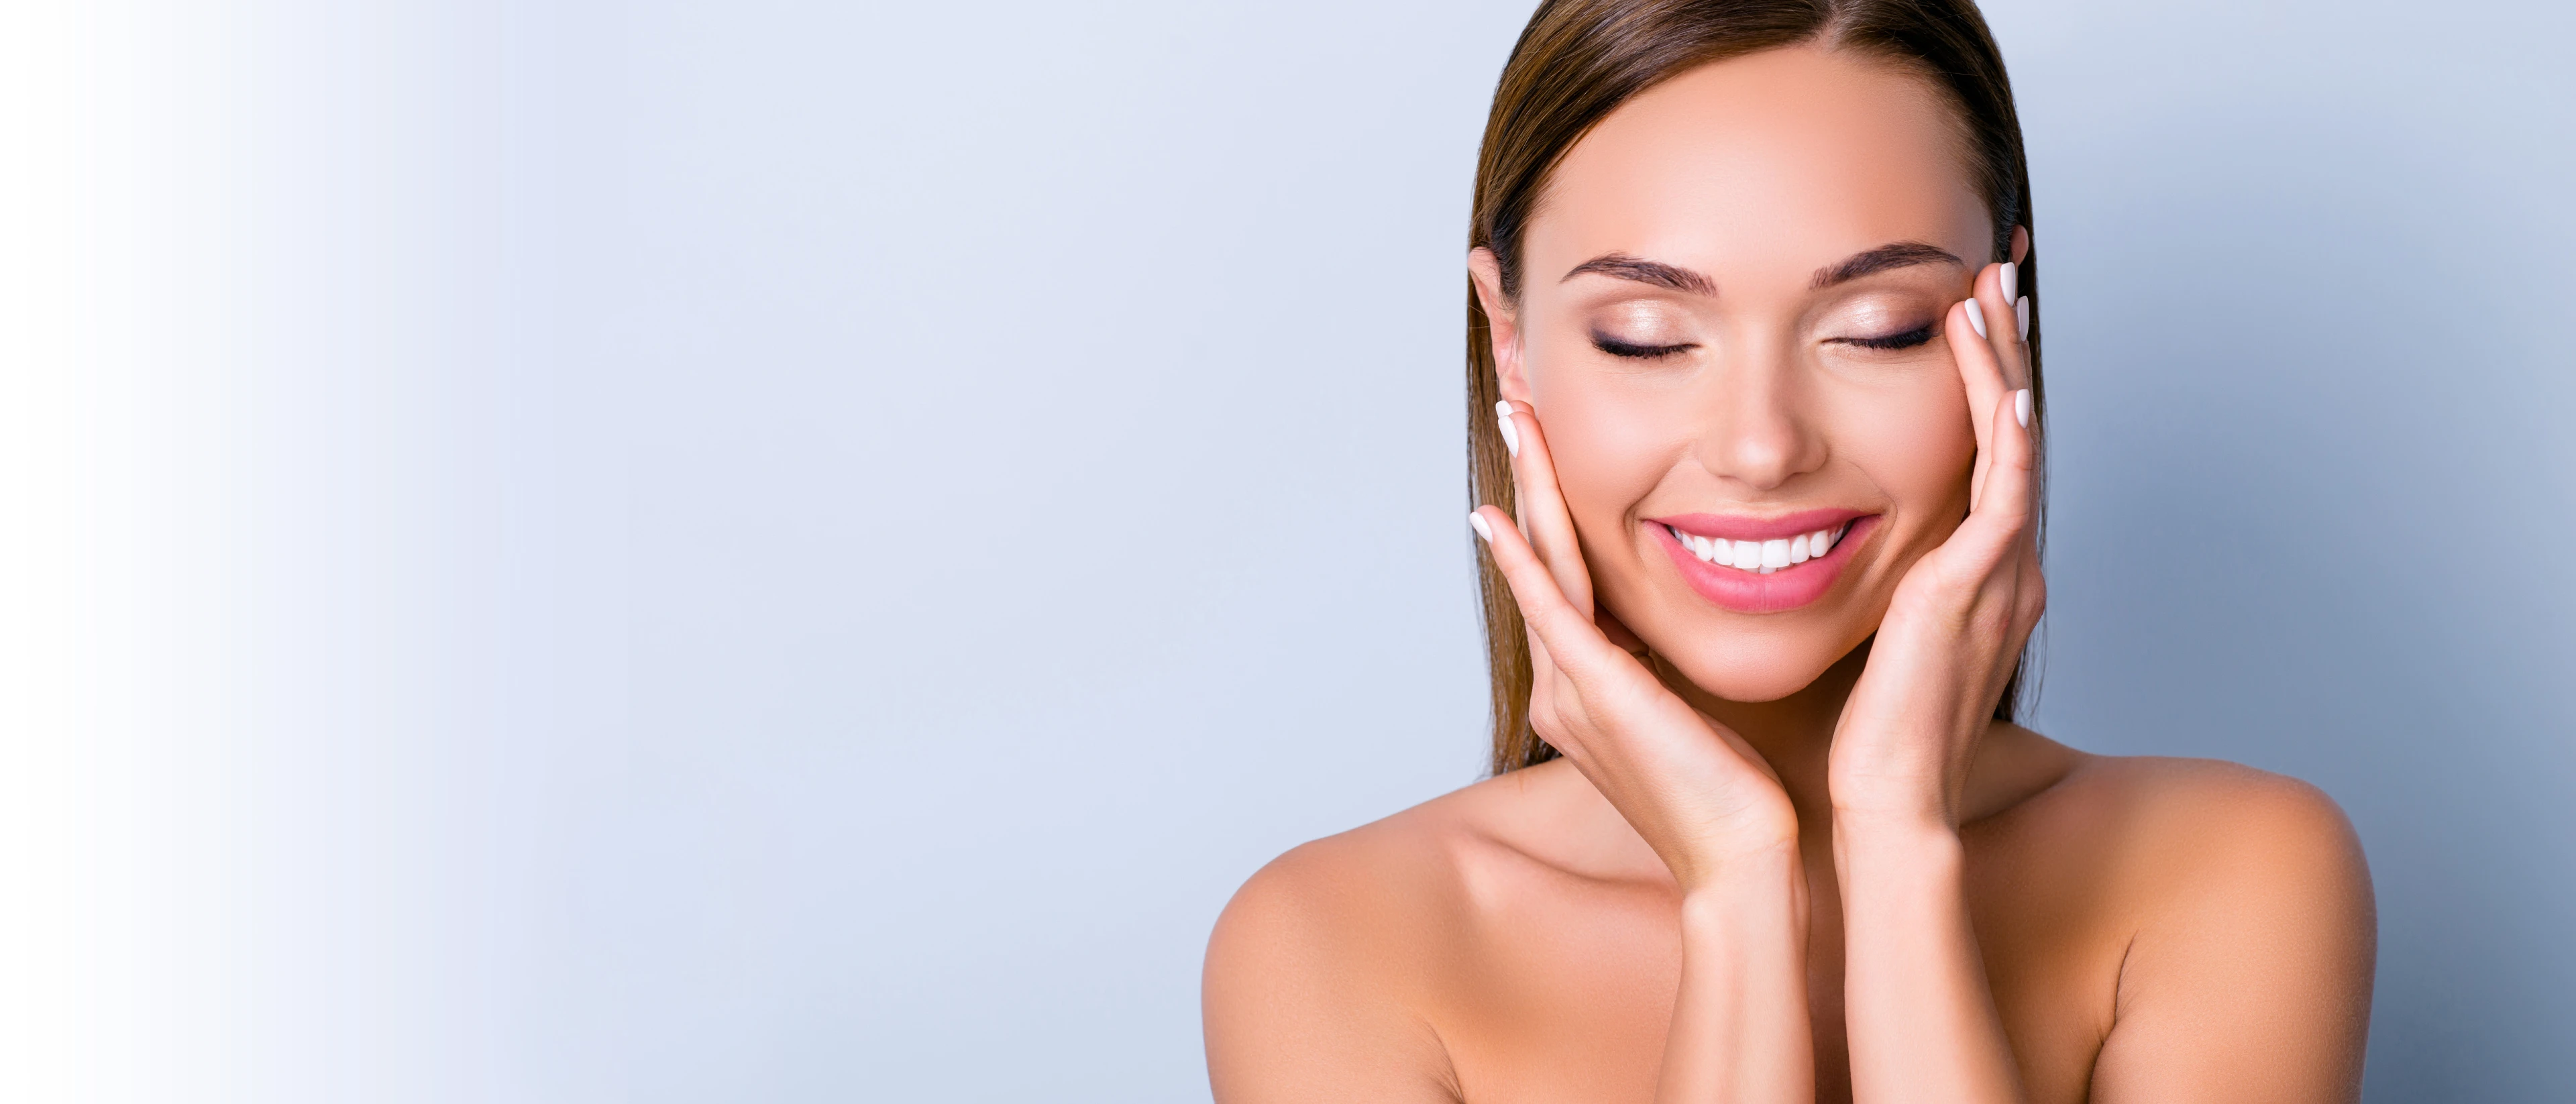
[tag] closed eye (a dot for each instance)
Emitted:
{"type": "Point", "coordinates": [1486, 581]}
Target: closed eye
{"type": "Point", "coordinates": [1618, 348]}
{"type": "Point", "coordinates": [1907, 340]}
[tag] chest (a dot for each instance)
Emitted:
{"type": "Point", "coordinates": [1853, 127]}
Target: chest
{"type": "Point", "coordinates": [1565, 994]}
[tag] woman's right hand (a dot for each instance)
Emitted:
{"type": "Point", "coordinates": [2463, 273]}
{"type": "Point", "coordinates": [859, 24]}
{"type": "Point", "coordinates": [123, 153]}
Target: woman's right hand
{"type": "Point", "coordinates": [1701, 796]}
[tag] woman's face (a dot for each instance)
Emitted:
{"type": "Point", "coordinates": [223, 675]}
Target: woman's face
{"type": "Point", "coordinates": [1730, 326]}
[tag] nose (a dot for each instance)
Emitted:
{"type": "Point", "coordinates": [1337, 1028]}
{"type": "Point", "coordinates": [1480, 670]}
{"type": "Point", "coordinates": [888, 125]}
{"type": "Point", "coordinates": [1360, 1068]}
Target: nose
{"type": "Point", "coordinates": [1757, 428]}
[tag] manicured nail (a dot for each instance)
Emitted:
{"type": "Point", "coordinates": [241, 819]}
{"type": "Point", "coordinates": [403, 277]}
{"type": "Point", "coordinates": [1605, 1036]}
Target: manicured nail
{"type": "Point", "coordinates": [2021, 407]}
{"type": "Point", "coordinates": [2011, 281]}
{"type": "Point", "coordinates": [2021, 310]}
{"type": "Point", "coordinates": [1976, 318]}
{"type": "Point", "coordinates": [1511, 436]}
{"type": "Point", "coordinates": [1476, 521]}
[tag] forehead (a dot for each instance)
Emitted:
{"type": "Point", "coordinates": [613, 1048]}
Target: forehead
{"type": "Point", "coordinates": [1761, 166]}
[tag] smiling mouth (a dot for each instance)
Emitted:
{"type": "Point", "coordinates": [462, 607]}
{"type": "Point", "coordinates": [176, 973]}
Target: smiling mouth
{"type": "Point", "coordinates": [1765, 556]}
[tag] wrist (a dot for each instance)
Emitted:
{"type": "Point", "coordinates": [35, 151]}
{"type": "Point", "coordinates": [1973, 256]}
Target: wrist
{"type": "Point", "coordinates": [1748, 852]}
{"type": "Point", "coordinates": [1892, 824]}
{"type": "Point", "coordinates": [1745, 885]}
{"type": "Point", "coordinates": [1892, 853]}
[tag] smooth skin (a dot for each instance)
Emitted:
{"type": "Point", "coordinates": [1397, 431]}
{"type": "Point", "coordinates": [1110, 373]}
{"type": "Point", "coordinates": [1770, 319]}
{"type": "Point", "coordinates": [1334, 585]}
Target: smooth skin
{"type": "Point", "coordinates": [1787, 856]}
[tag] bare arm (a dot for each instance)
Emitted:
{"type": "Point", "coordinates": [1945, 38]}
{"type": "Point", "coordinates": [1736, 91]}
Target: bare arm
{"type": "Point", "coordinates": [2251, 982]}
{"type": "Point", "coordinates": [1921, 1020]}
{"type": "Point", "coordinates": [1700, 796]}
{"type": "Point", "coordinates": [2251, 978]}
{"type": "Point", "coordinates": [1303, 997]}
{"type": "Point", "coordinates": [1299, 997]}
{"type": "Point", "coordinates": [1739, 1028]}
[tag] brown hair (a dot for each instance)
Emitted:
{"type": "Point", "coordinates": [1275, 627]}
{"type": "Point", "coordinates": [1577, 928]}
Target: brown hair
{"type": "Point", "coordinates": [1580, 59]}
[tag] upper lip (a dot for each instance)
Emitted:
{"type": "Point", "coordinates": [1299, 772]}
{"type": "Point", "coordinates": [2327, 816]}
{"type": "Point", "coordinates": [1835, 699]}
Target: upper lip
{"type": "Point", "coordinates": [1745, 528]}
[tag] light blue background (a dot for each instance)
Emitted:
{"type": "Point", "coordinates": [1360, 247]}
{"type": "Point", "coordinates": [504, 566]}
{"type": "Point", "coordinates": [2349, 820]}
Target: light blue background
{"type": "Point", "coordinates": [772, 551]}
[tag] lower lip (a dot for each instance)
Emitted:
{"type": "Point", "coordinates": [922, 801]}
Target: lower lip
{"type": "Point", "coordinates": [1752, 592]}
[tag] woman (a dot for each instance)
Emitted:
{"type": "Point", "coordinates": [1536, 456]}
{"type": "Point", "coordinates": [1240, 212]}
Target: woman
{"type": "Point", "coordinates": [1754, 381]}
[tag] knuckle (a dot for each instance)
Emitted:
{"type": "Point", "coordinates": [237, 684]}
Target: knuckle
{"type": "Point", "coordinates": [1991, 619]}
{"type": "Point", "coordinates": [1950, 577]}
{"type": "Point", "coordinates": [1557, 716]}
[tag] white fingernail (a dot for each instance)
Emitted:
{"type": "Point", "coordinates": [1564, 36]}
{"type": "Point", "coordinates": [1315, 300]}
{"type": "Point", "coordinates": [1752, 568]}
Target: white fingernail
{"type": "Point", "coordinates": [1976, 318]}
{"type": "Point", "coordinates": [2011, 281]}
{"type": "Point", "coordinates": [2021, 407]}
{"type": "Point", "coordinates": [2021, 310]}
{"type": "Point", "coordinates": [1476, 521]}
{"type": "Point", "coordinates": [1511, 436]}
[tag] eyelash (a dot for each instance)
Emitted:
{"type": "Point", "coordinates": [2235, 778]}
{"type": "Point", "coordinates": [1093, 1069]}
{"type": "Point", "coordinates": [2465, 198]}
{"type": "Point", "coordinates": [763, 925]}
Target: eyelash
{"type": "Point", "coordinates": [1920, 335]}
{"type": "Point", "coordinates": [1618, 348]}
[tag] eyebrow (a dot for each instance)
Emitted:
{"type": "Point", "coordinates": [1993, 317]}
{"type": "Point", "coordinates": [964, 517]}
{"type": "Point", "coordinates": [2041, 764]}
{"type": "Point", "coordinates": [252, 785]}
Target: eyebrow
{"type": "Point", "coordinates": [1621, 266]}
{"type": "Point", "coordinates": [1892, 255]}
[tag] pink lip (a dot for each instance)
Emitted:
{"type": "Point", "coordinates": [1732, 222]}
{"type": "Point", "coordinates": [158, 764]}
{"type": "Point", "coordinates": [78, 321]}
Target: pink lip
{"type": "Point", "coordinates": [1749, 592]}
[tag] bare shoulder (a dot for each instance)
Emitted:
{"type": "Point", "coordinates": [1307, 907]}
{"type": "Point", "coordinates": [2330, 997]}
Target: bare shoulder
{"type": "Point", "coordinates": [1400, 885]}
{"type": "Point", "coordinates": [2197, 845]}
{"type": "Point", "coordinates": [1320, 969]}
{"type": "Point", "coordinates": [2251, 930]}
{"type": "Point", "coordinates": [1356, 897]}
{"type": "Point", "coordinates": [2202, 822]}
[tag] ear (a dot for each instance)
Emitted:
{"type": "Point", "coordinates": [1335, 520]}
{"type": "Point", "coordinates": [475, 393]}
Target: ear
{"type": "Point", "coordinates": [1486, 271]}
{"type": "Point", "coordinates": [2020, 244]}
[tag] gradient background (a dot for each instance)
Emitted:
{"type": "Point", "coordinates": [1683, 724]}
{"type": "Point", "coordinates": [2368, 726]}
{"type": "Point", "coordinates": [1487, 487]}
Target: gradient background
{"type": "Point", "coordinates": [771, 551]}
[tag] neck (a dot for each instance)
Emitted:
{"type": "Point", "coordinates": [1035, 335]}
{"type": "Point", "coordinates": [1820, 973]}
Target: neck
{"type": "Point", "coordinates": [1794, 734]}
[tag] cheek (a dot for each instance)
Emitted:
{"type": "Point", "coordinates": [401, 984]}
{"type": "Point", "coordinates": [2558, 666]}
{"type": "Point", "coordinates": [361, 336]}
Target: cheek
{"type": "Point", "coordinates": [1916, 445]}
{"type": "Point", "coordinates": [1611, 449]}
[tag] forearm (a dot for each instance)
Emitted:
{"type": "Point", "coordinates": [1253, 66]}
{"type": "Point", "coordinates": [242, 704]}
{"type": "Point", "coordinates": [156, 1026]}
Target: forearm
{"type": "Point", "coordinates": [1921, 1020]}
{"type": "Point", "coordinates": [1739, 1030]}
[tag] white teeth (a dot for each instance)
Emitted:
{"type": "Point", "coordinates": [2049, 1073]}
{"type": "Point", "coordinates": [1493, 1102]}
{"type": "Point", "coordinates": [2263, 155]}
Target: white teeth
{"type": "Point", "coordinates": [1764, 557]}
{"type": "Point", "coordinates": [1703, 547]}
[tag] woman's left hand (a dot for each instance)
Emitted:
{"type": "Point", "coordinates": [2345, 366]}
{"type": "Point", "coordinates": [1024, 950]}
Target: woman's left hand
{"type": "Point", "coordinates": [1956, 626]}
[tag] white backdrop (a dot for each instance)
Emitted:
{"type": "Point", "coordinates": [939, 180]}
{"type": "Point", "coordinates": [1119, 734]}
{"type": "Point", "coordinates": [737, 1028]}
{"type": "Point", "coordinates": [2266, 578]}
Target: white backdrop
{"type": "Point", "coordinates": [777, 551]}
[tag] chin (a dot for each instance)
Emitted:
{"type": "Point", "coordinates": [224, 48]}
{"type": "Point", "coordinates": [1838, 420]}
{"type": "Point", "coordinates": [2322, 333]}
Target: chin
{"type": "Point", "coordinates": [1756, 667]}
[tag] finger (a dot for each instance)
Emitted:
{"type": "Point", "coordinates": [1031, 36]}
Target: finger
{"type": "Point", "coordinates": [1981, 376]}
{"type": "Point", "coordinates": [1571, 642]}
{"type": "Point", "coordinates": [1998, 291]}
{"type": "Point", "coordinates": [1999, 520]}
{"type": "Point", "coordinates": [1549, 686]}
{"type": "Point", "coordinates": [1543, 514]}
